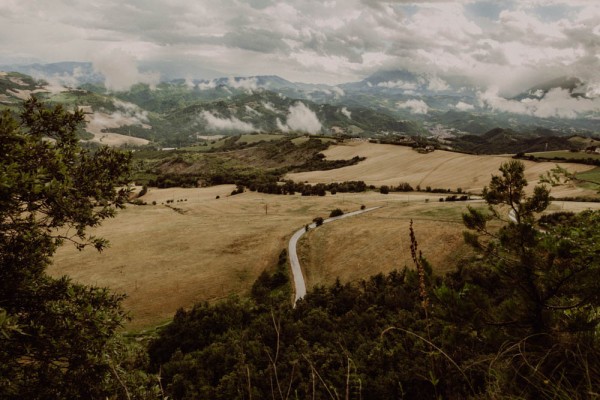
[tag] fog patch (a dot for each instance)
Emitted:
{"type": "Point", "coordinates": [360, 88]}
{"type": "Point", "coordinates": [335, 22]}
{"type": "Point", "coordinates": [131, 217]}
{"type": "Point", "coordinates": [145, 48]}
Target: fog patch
{"type": "Point", "coordinates": [303, 119]}
{"type": "Point", "coordinates": [243, 83]}
{"type": "Point", "coordinates": [557, 102]}
{"type": "Point", "coordinates": [226, 124]}
{"type": "Point", "coordinates": [415, 106]}
{"type": "Point", "coordinates": [120, 71]}
{"type": "Point", "coordinates": [346, 112]}
{"type": "Point", "coordinates": [462, 106]}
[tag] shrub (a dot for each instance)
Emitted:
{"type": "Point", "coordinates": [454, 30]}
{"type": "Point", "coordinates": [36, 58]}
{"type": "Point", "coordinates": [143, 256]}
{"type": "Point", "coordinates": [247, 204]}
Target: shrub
{"type": "Point", "coordinates": [384, 189]}
{"type": "Point", "coordinates": [336, 213]}
{"type": "Point", "coordinates": [362, 207]}
{"type": "Point", "coordinates": [318, 221]}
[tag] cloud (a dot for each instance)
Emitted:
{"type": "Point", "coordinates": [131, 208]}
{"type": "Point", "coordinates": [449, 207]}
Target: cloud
{"type": "Point", "coordinates": [398, 85]}
{"type": "Point", "coordinates": [310, 41]}
{"type": "Point", "coordinates": [556, 103]}
{"type": "Point", "coordinates": [415, 106]}
{"type": "Point", "coordinates": [243, 83]}
{"type": "Point", "coordinates": [302, 119]}
{"type": "Point", "coordinates": [121, 72]}
{"type": "Point", "coordinates": [131, 112]}
{"type": "Point", "coordinates": [461, 106]}
{"type": "Point", "coordinates": [269, 106]}
{"type": "Point", "coordinates": [347, 113]}
{"type": "Point", "coordinates": [437, 85]}
{"type": "Point", "coordinates": [281, 126]}
{"type": "Point", "coordinates": [226, 124]}
{"type": "Point", "coordinates": [252, 111]}
{"type": "Point", "coordinates": [207, 85]}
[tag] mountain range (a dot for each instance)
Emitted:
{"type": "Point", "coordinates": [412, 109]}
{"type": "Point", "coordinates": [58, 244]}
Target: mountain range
{"type": "Point", "coordinates": [385, 103]}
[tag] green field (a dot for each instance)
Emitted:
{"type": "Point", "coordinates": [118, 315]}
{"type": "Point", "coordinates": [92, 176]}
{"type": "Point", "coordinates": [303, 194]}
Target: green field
{"type": "Point", "coordinates": [565, 154]}
{"type": "Point", "coordinates": [592, 175]}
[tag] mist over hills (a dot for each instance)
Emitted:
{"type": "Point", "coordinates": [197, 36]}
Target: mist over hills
{"type": "Point", "coordinates": [398, 102]}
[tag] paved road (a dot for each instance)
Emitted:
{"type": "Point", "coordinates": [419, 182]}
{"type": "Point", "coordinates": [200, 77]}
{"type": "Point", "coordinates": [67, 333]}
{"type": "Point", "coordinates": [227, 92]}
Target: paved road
{"type": "Point", "coordinates": [299, 284]}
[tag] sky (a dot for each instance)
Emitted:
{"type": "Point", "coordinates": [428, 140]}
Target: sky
{"type": "Point", "coordinates": [506, 44]}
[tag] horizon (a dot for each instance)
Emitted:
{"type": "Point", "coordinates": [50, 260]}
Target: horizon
{"type": "Point", "coordinates": [506, 45]}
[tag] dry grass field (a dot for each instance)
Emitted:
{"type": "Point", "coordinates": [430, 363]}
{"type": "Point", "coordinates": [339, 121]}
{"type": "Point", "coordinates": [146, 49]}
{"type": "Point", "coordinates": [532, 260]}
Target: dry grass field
{"type": "Point", "coordinates": [206, 248]}
{"type": "Point", "coordinates": [390, 165]}
{"type": "Point", "coordinates": [200, 248]}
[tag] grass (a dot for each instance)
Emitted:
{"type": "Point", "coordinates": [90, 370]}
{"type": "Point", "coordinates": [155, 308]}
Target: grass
{"type": "Point", "coordinates": [164, 259]}
{"type": "Point", "coordinates": [205, 249]}
{"type": "Point", "coordinates": [565, 154]}
{"type": "Point", "coordinates": [592, 175]}
{"type": "Point", "coordinates": [390, 165]}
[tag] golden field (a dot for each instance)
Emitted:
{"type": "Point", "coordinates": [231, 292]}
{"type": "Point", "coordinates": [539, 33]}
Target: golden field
{"type": "Point", "coordinates": [390, 165]}
{"type": "Point", "coordinates": [164, 259]}
{"type": "Point", "coordinates": [200, 248]}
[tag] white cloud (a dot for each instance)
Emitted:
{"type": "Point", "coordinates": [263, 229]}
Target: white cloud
{"type": "Point", "coordinates": [398, 85]}
{"type": "Point", "coordinates": [415, 106]}
{"type": "Point", "coordinates": [303, 119]}
{"type": "Point", "coordinates": [131, 112]}
{"type": "Point", "coordinates": [437, 84]}
{"type": "Point", "coordinates": [281, 126]}
{"type": "Point", "coordinates": [462, 106]}
{"type": "Point", "coordinates": [346, 112]}
{"type": "Point", "coordinates": [252, 111]}
{"type": "Point", "coordinates": [243, 83]}
{"type": "Point", "coordinates": [207, 85]}
{"type": "Point", "coordinates": [232, 123]}
{"type": "Point", "coordinates": [557, 103]}
{"type": "Point", "coordinates": [121, 72]}
{"type": "Point", "coordinates": [309, 41]}
{"type": "Point", "coordinates": [269, 106]}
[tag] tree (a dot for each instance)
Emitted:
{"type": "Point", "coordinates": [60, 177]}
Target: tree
{"type": "Point", "coordinates": [536, 288]}
{"type": "Point", "coordinates": [51, 191]}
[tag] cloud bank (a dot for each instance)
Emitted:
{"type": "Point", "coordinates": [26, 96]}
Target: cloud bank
{"type": "Point", "coordinates": [415, 106]}
{"type": "Point", "coordinates": [503, 43]}
{"type": "Point", "coordinates": [300, 118]}
{"type": "Point", "coordinates": [226, 124]}
{"type": "Point", "coordinates": [557, 103]}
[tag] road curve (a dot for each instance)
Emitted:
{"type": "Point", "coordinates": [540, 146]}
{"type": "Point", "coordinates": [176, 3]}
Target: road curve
{"type": "Point", "coordinates": [299, 284]}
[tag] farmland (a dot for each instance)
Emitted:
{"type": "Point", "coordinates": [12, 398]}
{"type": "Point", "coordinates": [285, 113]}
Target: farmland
{"type": "Point", "coordinates": [389, 165]}
{"type": "Point", "coordinates": [200, 248]}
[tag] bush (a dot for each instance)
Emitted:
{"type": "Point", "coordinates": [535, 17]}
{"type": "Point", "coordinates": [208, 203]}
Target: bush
{"type": "Point", "coordinates": [362, 207]}
{"type": "Point", "coordinates": [336, 213]}
{"type": "Point", "coordinates": [384, 189]}
{"type": "Point", "coordinates": [318, 221]}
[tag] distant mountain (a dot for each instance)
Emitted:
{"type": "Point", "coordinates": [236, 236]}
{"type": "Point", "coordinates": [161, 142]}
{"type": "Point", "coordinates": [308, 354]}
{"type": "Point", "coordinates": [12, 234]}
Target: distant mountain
{"type": "Point", "coordinates": [573, 84]}
{"type": "Point", "coordinates": [70, 73]}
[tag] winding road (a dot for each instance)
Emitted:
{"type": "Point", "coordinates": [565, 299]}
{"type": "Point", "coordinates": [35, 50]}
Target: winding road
{"type": "Point", "coordinates": [299, 284]}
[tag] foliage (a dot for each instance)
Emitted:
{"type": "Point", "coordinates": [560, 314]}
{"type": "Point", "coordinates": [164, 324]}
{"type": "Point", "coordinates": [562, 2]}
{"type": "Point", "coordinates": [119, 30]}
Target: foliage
{"type": "Point", "coordinates": [58, 337]}
{"type": "Point", "coordinates": [540, 288]}
{"type": "Point", "coordinates": [336, 213]}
